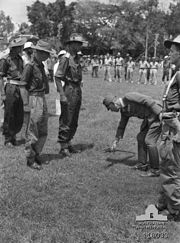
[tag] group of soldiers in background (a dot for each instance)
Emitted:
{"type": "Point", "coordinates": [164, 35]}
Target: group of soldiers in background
{"type": "Point", "coordinates": [120, 69]}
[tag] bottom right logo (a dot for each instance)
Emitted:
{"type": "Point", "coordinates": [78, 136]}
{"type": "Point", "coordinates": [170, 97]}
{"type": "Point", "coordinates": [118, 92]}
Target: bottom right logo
{"type": "Point", "coordinates": [151, 225]}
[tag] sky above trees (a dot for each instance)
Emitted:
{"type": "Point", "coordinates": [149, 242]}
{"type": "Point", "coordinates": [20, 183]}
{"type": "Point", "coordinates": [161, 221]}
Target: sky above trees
{"type": "Point", "coordinates": [17, 9]}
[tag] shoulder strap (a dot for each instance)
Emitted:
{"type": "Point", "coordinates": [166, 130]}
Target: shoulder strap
{"type": "Point", "coordinates": [168, 87]}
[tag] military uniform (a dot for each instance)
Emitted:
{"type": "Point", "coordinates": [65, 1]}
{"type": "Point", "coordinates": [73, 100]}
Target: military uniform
{"type": "Point", "coordinates": [11, 68]}
{"type": "Point", "coordinates": [37, 86]}
{"type": "Point", "coordinates": [170, 145]}
{"type": "Point", "coordinates": [143, 107]}
{"type": "Point", "coordinates": [70, 72]}
{"type": "Point", "coordinates": [118, 67]}
{"type": "Point", "coordinates": [170, 149]}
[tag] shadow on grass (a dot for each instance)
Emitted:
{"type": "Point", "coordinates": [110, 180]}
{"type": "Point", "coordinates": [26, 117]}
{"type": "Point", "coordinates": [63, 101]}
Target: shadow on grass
{"type": "Point", "coordinates": [124, 161]}
{"type": "Point", "coordinates": [50, 157]}
{"type": "Point", "coordinates": [80, 147]}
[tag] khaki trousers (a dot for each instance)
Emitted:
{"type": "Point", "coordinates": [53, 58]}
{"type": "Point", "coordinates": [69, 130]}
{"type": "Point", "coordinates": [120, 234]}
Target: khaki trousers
{"type": "Point", "coordinates": [37, 128]}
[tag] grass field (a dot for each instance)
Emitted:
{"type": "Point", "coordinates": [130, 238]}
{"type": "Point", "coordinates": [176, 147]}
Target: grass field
{"type": "Point", "coordinates": [92, 197]}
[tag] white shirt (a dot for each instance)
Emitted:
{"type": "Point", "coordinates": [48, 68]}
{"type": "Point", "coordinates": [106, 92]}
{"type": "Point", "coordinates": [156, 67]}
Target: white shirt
{"type": "Point", "coordinates": [119, 61]}
{"type": "Point", "coordinates": [54, 72]}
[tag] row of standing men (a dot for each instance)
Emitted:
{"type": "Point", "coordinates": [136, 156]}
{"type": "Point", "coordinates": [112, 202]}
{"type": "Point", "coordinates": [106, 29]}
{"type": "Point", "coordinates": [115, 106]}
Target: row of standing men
{"type": "Point", "coordinates": [24, 85]}
{"type": "Point", "coordinates": [117, 68]}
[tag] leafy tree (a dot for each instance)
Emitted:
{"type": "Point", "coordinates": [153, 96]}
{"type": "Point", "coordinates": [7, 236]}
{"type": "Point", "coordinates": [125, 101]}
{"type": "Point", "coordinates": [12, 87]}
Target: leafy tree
{"type": "Point", "coordinates": [55, 14]}
{"type": "Point", "coordinates": [172, 20]}
{"type": "Point", "coordinates": [37, 15]}
{"type": "Point", "coordinates": [6, 25]}
{"type": "Point", "coordinates": [120, 25]}
{"type": "Point", "coordinates": [24, 28]}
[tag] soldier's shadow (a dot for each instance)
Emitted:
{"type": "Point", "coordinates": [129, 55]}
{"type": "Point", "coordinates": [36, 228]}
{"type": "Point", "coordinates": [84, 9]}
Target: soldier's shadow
{"type": "Point", "coordinates": [80, 147]}
{"type": "Point", "coordinates": [125, 160]}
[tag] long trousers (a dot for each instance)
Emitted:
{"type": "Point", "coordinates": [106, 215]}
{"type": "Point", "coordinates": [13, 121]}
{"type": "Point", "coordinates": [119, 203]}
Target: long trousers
{"type": "Point", "coordinates": [170, 166]}
{"type": "Point", "coordinates": [118, 72]}
{"type": "Point", "coordinates": [95, 71]}
{"type": "Point", "coordinates": [147, 143]}
{"type": "Point", "coordinates": [37, 128]}
{"type": "Point", "coordinates": [125, 72]}
{"type": "Point", "coordinates": [153, 76]}
{"type": "Point", "coordinates": [165, 75]}
{"type": "Point", "coordinates": [13, 112]}
{"type": "Point", "coordinates": [143, 73]}
{"type": "Point", "coordinates": [68, 120]}
{"type": "Point", "coordinates": [107, 75]}
{"type": "Point", "coordinates": [130, 72]}
{"type": "Point", "coordinates": [26, 117]}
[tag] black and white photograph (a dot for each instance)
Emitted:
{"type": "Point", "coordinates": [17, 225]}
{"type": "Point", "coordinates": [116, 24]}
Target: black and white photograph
{"type": "Point", "coordinates": [90, 121]}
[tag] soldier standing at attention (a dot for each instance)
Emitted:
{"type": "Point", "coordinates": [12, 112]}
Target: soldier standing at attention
{"type": "Point", "coordinates": [11, 68]}
{"type": "Point", "coordinates": [153, 71]}
{"type": "Point", "coordinates": [118, 67]}
{"type": "Point", "coordinates": [37, 85]}
{"type": "Point", "coordinates": [143, 66]}
{"type": "Point", "coordinates": [69, 71]}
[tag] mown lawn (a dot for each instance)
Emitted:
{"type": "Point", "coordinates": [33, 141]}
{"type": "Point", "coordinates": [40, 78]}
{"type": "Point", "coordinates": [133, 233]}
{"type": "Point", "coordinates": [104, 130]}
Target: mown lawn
{"type": "Point", "coordinates": [92, 197]}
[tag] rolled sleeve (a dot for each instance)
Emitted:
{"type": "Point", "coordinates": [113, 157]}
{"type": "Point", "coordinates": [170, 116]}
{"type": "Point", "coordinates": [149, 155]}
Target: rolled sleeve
{"type": "Point", "coordinates": [62, 69]}
{"type": "Point", "coordinates": [27, 74]}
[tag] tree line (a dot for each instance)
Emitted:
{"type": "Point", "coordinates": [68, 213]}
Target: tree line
{"type": "Point", "coordinates": [119, 25]}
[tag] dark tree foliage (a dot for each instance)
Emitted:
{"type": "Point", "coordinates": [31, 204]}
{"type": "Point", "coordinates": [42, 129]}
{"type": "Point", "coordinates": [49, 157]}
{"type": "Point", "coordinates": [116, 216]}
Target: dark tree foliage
{"type": "Point", "coordinates": [122, 25]}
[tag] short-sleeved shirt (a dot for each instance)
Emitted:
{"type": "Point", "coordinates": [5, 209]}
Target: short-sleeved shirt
{"type": "Point", "coordinates": [108, 61]}
{"type": "Point", "coordinates": [95, 62]}
{"type": "Point", "coordinates": [69, 70]}
{"type": "Point", "coordinates": [154, 65]}
{"type": "Point", "coordinates": [130, 64]}
{"type": "Point", "coordinates": [35, 77]}
{"type": "Point", "coordinates": [173, 95]}
{"type": "Point", "coordinates": [11, 67]}
{"type": "Point", "coordinates": [143, 64]}
{"type": "Point", "coordinates": [119, 61]}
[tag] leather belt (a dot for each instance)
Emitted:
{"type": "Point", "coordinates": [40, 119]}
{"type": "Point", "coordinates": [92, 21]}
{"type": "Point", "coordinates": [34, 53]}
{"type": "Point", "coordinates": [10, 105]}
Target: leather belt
{"type": "Point", "coordinates": [15, 82]}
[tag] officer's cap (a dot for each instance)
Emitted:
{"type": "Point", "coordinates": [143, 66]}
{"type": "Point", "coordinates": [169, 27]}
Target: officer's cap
{"type": "Point", "coordinates": [108, 100]}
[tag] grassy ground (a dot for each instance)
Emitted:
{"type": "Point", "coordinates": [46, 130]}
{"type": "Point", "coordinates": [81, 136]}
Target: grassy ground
{"type": "Point", "coordinates": [92, 197]}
